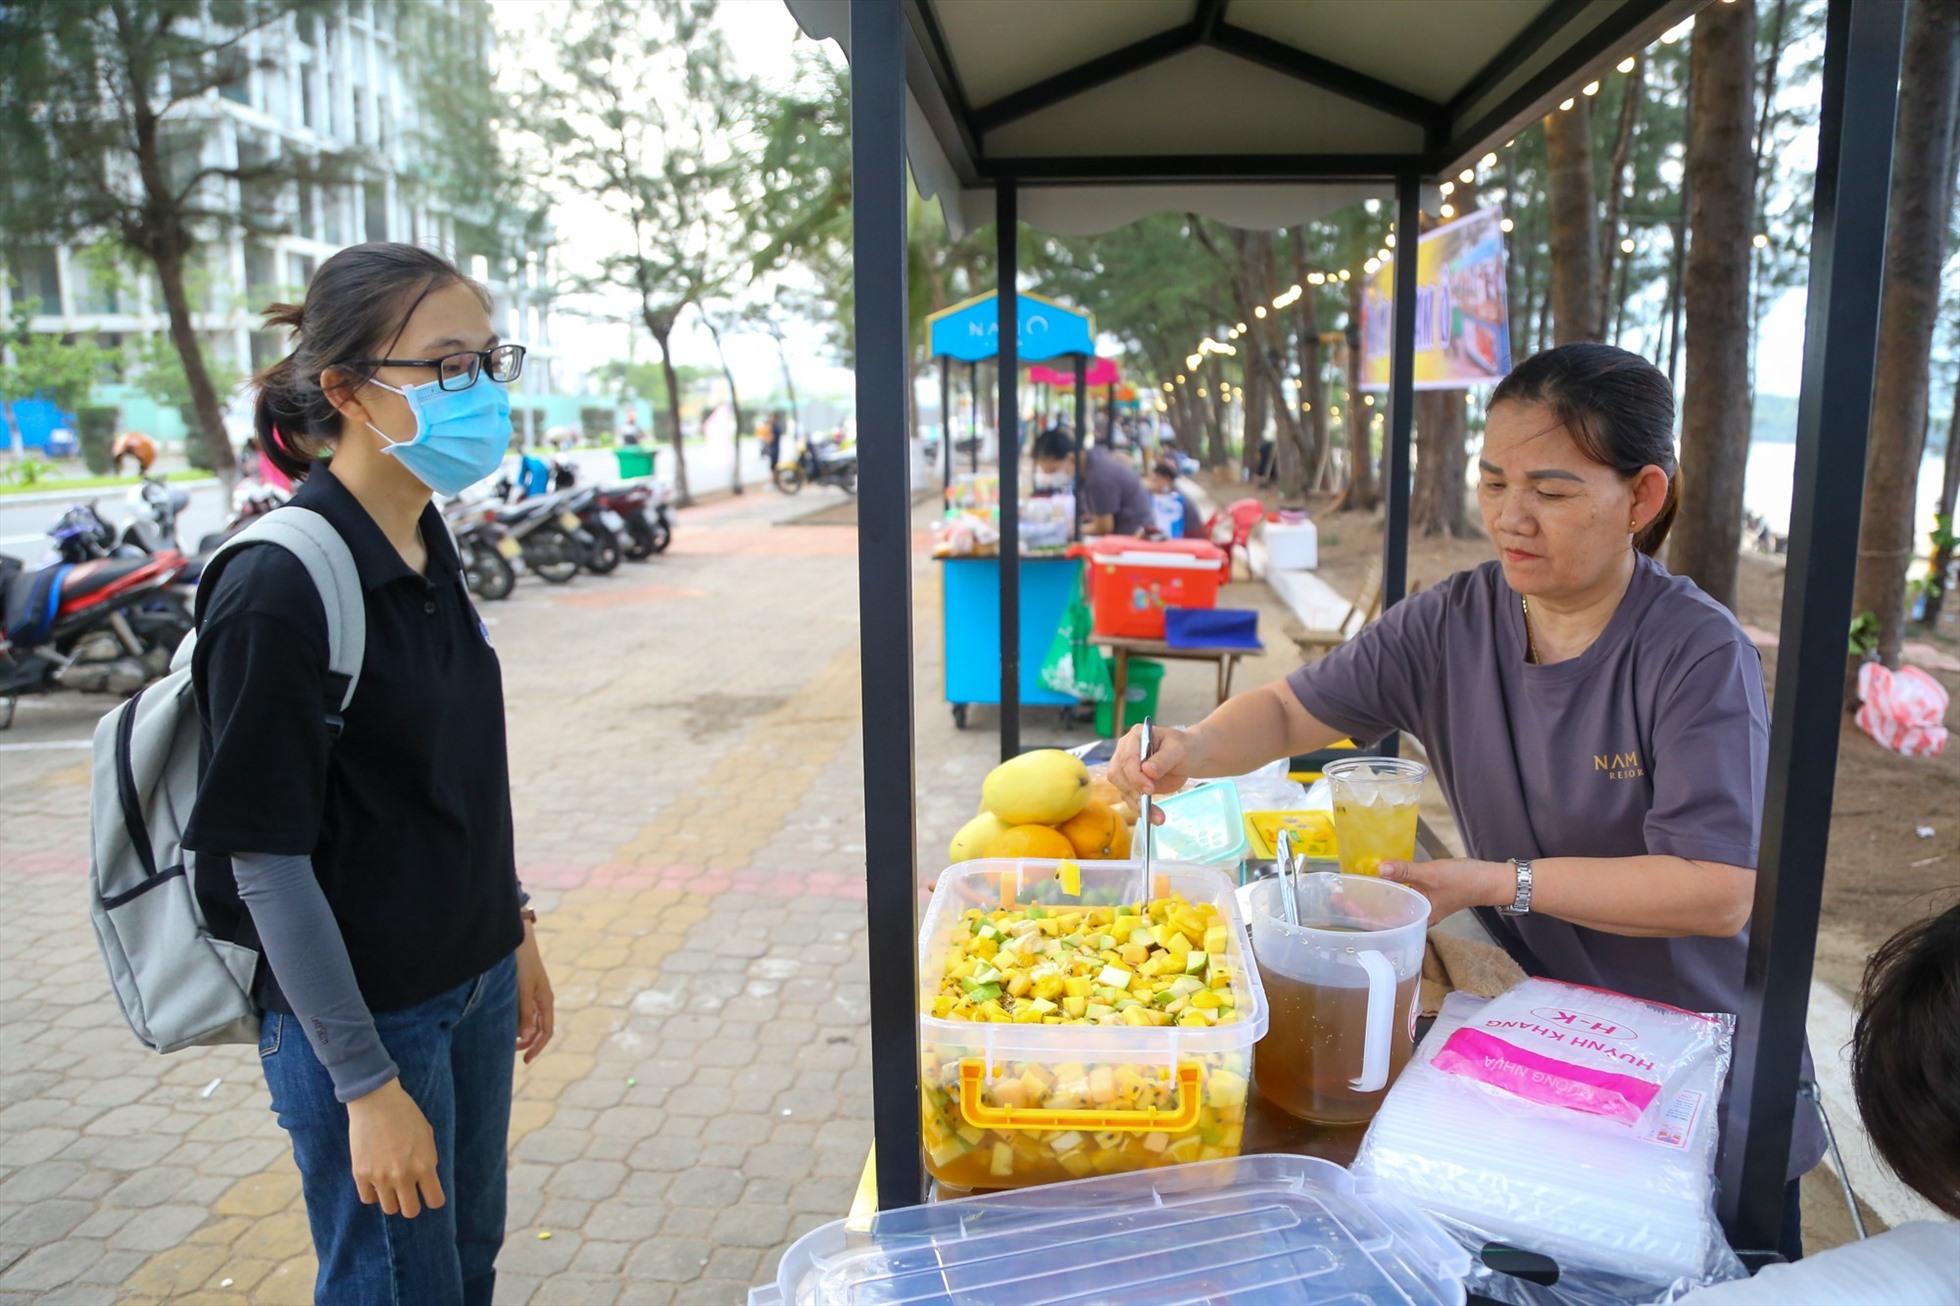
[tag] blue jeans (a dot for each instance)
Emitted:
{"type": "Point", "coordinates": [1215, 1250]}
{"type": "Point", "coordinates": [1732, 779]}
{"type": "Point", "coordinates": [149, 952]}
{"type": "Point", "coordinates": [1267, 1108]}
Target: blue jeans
{"type": "Point", "coordinates": [455, 1057]}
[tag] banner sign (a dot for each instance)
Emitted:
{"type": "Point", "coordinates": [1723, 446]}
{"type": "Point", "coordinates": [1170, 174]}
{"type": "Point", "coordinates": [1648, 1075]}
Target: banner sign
{"type": "Point", "coordinates": [1463, 335]}
{"type": "Point", "coordinates": [970, 330]}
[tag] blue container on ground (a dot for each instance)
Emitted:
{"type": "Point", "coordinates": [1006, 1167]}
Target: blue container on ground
{"type": "Point", "coordinates": [972, 627]}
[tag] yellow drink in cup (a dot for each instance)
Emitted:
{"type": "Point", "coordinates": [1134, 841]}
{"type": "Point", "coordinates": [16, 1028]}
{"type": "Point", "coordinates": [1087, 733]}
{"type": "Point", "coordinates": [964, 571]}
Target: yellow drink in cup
{"type": "Point", "coordinates": [1375, 804]}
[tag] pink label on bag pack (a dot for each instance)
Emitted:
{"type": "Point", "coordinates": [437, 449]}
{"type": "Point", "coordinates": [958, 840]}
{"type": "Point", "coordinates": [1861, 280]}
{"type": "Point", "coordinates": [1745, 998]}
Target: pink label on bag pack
{"type": "Point", "coordinates": [1490, 1060]}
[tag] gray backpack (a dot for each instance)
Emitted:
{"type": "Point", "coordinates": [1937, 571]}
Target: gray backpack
{"type": "Point", "coordinates": [177, 983]}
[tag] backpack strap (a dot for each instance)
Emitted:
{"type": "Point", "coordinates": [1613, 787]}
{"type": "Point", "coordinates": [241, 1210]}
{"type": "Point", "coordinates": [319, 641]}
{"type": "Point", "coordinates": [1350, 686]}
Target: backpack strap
{"type": "Point", "coordinates": [330, 564]}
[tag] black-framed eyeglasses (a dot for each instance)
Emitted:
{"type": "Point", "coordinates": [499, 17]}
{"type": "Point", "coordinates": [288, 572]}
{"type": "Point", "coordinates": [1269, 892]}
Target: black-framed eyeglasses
{"type": "Point", "coordinates": [460, 370]}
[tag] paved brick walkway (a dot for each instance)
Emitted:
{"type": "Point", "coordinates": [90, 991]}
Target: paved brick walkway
{"type": "Point", "coordinates": [689, 802]}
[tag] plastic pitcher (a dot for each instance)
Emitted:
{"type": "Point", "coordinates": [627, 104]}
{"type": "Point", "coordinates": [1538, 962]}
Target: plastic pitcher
{"type": "Point", "coordinates": [1341, 991]}
{"type": "Point", "coordinates": [1376, 801]}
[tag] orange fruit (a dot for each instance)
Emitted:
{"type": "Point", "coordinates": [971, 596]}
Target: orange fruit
{"type": "Point", "coordinates": [1040, 841]}
{"type": "Point", "coordinates": [1103, 790]}
{"type": "Point", "coordinates": [1097, 832]}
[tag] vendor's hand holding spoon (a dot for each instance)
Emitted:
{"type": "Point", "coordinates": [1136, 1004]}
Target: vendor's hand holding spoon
{"type": "Point", "coordinates": [1165, 773]}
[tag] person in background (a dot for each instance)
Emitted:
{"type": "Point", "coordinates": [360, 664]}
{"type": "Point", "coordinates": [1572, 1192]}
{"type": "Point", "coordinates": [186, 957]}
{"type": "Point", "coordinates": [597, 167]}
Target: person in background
{"type": "Point", "coordinates": [1905, 1069]}
{"type": "Point", "coordinates": [137, 446]}
{"type": "Point", "coordinates": [776, 428]}
{"type": "Point", "coordinates": [629, 434]}
{"type": "Point", "coordinates": [1163, 481]}
{"type": "Point", "coordinates": [1114, 501]}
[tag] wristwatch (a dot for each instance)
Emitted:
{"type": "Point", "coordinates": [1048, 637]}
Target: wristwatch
{"type": "Point", "coordinates": [1521, 904]}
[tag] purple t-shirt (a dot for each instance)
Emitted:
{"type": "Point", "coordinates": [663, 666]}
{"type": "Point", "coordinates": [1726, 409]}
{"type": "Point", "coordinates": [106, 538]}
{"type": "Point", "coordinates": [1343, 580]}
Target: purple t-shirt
{"type": "Point", "coordinates": [1655, 740]}
{"type": "Point", "coordinates": [1110, 485]}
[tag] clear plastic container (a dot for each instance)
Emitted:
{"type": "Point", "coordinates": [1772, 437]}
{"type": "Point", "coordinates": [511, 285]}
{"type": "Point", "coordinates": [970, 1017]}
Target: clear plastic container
{"type": "Point", "coordinates": [1204, 824]}
{"type": "Point", "coordinates": [1006, 1105]}
{"type": "Point", "coordinates": [1253, 1230]}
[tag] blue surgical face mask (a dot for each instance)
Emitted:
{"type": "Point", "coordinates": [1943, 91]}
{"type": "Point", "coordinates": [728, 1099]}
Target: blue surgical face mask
{"type": "Point", "coordinates": [460, 437]}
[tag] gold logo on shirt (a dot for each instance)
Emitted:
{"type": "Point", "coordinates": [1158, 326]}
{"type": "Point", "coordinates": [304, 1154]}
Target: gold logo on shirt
{"type": "Point", "coordinates": [1620, 766]}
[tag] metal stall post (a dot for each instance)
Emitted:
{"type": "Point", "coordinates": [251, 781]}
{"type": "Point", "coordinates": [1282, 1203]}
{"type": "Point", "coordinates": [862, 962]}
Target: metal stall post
{"type": "Point", "coordinates": [1862, 45]}
{"type": "Point", "coordinates": [1401, 394]}
{"type": "Point", "coordinates": [973, 417]}
{"type": "Point", "coordinates": [1081, 437]}
{"type": "Point", "coordinates": [1007, 359]}
{"type": "Point", "coordinates": [1109, 410]}
{"type": "Point", "coordinates": [946, 421]}
{"type": "Point", "coordinates": [885, 587]}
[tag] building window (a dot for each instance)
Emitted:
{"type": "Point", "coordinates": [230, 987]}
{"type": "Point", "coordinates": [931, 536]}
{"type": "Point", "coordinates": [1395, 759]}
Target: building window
{"type": "Point", "coordinates": [261, 271]}
{"type": "Point", "coordinates": [302, 270]}
{"type": "Point", "coordinates": [268, 347]}
{"type": "Point", "coordinates": [37, 275]}
{"type": "Point", "coordinates": [377, 211]}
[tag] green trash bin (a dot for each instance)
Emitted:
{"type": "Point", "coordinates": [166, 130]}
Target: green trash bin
{"type": "Point", "coordinates": [634, 461]}
{"type": "Point", "coordinates": [1146, 678]}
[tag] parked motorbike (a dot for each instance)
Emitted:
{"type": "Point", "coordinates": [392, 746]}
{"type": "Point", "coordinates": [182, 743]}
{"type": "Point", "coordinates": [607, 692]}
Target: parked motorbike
{"type": "Point", "coordinates": [825, 464]}
{"type": "Point", "coordinates": [547, 536]}
{"type": "Point", "coordinates": [646, 508]}
{"type": "Point", "coordinates": [104, 626]}
{"type": "Point", "coordinates": [484, 547]}
{"type": "Point", "coordinates": [154, 506]}
{"type": "Point", "coordinates": [599, 531]}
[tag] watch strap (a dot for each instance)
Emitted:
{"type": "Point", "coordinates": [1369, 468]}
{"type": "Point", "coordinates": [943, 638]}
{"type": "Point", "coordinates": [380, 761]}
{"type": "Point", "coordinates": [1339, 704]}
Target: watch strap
{"type": "Point", "coordinates": [1521, 902]}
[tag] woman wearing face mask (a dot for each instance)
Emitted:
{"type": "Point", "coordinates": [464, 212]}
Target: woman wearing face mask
{"type": "Point", "coordinates": [1597, 724]}
{"type": "Point", "coordinates": [375, 862]}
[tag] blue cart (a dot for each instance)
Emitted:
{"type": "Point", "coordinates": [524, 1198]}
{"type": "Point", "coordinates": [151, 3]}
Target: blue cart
{"type": "Point", "coordinates": [972, 628]}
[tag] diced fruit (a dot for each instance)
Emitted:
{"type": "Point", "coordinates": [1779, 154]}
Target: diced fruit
{"type": "Point", "coordinates": [1002, 1164]}
{"type": "Point", "coordinates": [1069, 875]}
{"type": "Point", "coordinates": [1114, 977]}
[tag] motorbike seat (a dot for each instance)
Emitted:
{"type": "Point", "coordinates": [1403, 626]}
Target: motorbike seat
{"type": "Point", "coordinates": [86, 578]}
{"type": "Point", "coordinates": [29, 600]}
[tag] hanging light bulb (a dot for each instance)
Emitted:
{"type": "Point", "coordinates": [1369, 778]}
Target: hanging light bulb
{"type": "Point", "coordinates": [1590, 88]}
{"type": "Point", "coordinates": [1306, 408]}
{"type": "Point", "coordinates": [1488, 161]}
{"type": "Point", "coordinates": [1192, 361]}
{"type": "Point", "coordinates": [1334, 411]}
{"type": "Point", "coordinates": [1447, 189]}
{"type": "Point", "coordinates": [1508, 144]}
{"type": "Point", "coordinates": [1203, 393]}
{"type": "Point", "coordinates": [1241, 328]}
{"type": "Point", "coordinates": [1316, 278]}
{"type": "Point", "coordinates": [1259, 311]}
{"type": "Point", "coordinates": [1384, 255]}
{"type": "Point", "coordinates": [1368, 400]}
{"type": "Point", "coordinates": [1344, 274]}
{"type": "Point", "coordinates": [1625, 65]}
{"type": "Point", "coordinates": [1372, 265]}
{"type": "Point", "coordinates": [1760, 241]}
{"type": "Point", "coordinates": [1167, 387]}
{"type": "Point", "coordinates": [1448, 210]}
{"type": "Point", "coordinates": [1180, 378]}
{"type": "Point", "coordinates": [1390, 242]}
{"type": "Point", "coordinates": [1467, 176]}
{"type": "Point", "coordinates": [1506, 225]}
{"type": "Point", "coordinates": [1567, 104]}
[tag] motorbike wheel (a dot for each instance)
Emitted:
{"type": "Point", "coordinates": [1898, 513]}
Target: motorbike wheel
{"type": "Point", "coordinates": [663, 533]}
{"type": "Point", "coordinates": [789, 479]}
{"type": "Point", "coordinates": [638, 543]}
{"type": "Point", "coordinates": [602, 551]}
{"type": "Point", "coordinates": [848, 482]}
{"type": "Point", "coordinates": [490, 573]}
{"type": "Point", "coordinates": [551, 554]}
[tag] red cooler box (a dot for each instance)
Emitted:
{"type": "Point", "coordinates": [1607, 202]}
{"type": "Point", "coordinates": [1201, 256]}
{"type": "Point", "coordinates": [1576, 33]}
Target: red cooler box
{"type": "Point", "coordinates": [1132, 581]}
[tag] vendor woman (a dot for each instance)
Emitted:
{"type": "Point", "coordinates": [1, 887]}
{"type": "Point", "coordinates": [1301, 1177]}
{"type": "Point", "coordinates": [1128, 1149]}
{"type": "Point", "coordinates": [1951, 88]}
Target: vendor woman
{"type": "Point", "coordinates": [1597, 724]}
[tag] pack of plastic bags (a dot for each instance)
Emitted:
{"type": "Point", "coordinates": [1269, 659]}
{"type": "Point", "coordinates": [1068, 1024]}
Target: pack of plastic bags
{"type": "Point", "coordinates": [1902, 709]}
{"type": "Point", "coordinates": [1626, 1207]}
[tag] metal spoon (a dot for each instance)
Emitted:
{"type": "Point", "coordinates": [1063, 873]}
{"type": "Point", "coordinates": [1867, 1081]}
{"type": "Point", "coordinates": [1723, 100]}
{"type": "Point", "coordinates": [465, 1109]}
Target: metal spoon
{"type": "Point", "coordinates": [1284, 872]}
{"type": "Point", "coordinates": [1143, 804]}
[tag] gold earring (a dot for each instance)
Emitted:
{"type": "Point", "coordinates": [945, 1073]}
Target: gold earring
{"type": "Point", "coordinates": [1634, 525]}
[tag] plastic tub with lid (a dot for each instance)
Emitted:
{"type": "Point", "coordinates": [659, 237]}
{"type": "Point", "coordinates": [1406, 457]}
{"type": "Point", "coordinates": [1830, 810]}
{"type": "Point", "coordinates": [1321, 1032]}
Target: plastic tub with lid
{"type": "Point", "coordinates": [1132, 580]}
{"type": "Point", "coordinates": [1253, 1230]}
{"type": "Point", "coordinates": [1008, 1105]}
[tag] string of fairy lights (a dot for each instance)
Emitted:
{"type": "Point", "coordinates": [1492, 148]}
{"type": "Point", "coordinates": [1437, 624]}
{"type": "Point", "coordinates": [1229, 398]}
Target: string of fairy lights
{"type": "Point", "coordinates": [1208, 347]}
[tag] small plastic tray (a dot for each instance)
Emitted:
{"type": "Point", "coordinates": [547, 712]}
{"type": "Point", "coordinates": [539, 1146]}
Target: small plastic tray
{"type": "Point", "coordinates": [1203, 825]}
{"type": "Point", "coordinates": [1253, 1230]}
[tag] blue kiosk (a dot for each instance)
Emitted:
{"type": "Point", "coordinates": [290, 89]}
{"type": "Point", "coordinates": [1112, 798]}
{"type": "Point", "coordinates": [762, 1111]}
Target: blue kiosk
{"type": "Point", "coordinates": [969, 332]}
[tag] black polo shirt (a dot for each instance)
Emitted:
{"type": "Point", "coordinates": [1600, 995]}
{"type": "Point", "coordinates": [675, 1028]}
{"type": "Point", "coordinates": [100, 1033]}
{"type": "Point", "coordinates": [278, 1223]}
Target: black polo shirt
{"type": "Point", "coordinates": [407, 815]}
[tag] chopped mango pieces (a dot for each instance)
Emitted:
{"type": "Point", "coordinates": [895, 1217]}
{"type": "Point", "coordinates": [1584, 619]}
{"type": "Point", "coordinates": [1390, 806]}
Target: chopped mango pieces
{"type": "Point", "coordinates": [1159, 965]}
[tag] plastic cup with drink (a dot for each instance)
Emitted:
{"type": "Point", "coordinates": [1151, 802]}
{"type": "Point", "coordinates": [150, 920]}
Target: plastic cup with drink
{"type": "Point", "coordinates": [1375, 805]}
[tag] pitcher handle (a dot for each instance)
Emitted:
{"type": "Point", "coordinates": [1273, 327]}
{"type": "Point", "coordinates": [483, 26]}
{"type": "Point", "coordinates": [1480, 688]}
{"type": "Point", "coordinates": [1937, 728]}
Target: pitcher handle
{"type": "Point", "coordinates": [1381, 1022]}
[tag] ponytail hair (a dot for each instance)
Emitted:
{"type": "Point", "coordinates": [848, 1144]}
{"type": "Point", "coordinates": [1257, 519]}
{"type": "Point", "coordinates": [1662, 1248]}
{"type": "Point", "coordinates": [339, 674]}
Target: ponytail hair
{"type": "Point", "coordinates": [1618, 408]}
{"type": "Point", "coordinates": [357, 306]}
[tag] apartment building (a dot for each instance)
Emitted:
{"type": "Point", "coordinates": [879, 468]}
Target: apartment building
{"type": "Point", "coordinates": [342, 87]}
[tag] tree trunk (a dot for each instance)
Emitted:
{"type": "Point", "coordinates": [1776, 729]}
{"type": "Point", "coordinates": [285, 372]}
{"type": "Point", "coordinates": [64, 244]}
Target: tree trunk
{"type": "Point", "coordinates": [1218, 449]}
{"type": "Point", "coordinates": [1616, 180]}
{"type": "Point", "coordinates": [1311, 389]}
{"type": "Point", "coordinates": [1949, 493]}
{"type": "Point", "coordinates": [1363, 492]}
{"type": "Point", "coordinates": [1915, 241]}
{"type": "Point", "coordinates": [682, 496]}
{"type": "Point", "coordinates": [789, 382]}
{"type": "Point", "coordinates": [1574, 224]}
{"type": "Point", "coordinates": [190, 352]}
{"type": "Point", "coordinates": [1437, 502]}
{"type": "Point", "coordinates": [1765, 114]}
{"type": "Point", "coordinates": [1677, 280]}
{"type": "Point", "coordinates": [734, 403]}
{"type": "Point", "coordinates": [1715, 407]}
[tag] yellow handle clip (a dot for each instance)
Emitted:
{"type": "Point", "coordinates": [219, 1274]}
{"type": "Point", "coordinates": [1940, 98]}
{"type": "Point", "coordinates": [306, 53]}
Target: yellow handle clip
{"type": "Point", "coordinates": [980, 1115]}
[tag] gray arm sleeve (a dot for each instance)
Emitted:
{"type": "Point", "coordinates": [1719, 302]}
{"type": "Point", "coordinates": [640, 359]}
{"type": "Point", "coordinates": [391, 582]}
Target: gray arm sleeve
{"type": "Point", "coordinates": [303, 945]}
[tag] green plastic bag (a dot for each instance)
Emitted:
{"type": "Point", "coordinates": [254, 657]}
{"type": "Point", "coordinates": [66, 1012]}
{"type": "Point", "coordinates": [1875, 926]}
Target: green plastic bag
{"type": "Point", "coordinates": [1074, 666]}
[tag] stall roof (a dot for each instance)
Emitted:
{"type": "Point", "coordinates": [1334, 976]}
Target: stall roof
{"type": "Point", "coordinates": [1101, 372]}
{"type": "Point", "coordinates": [1305, 106]}
{"type": "Point", "coordinates": [970, 329]}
